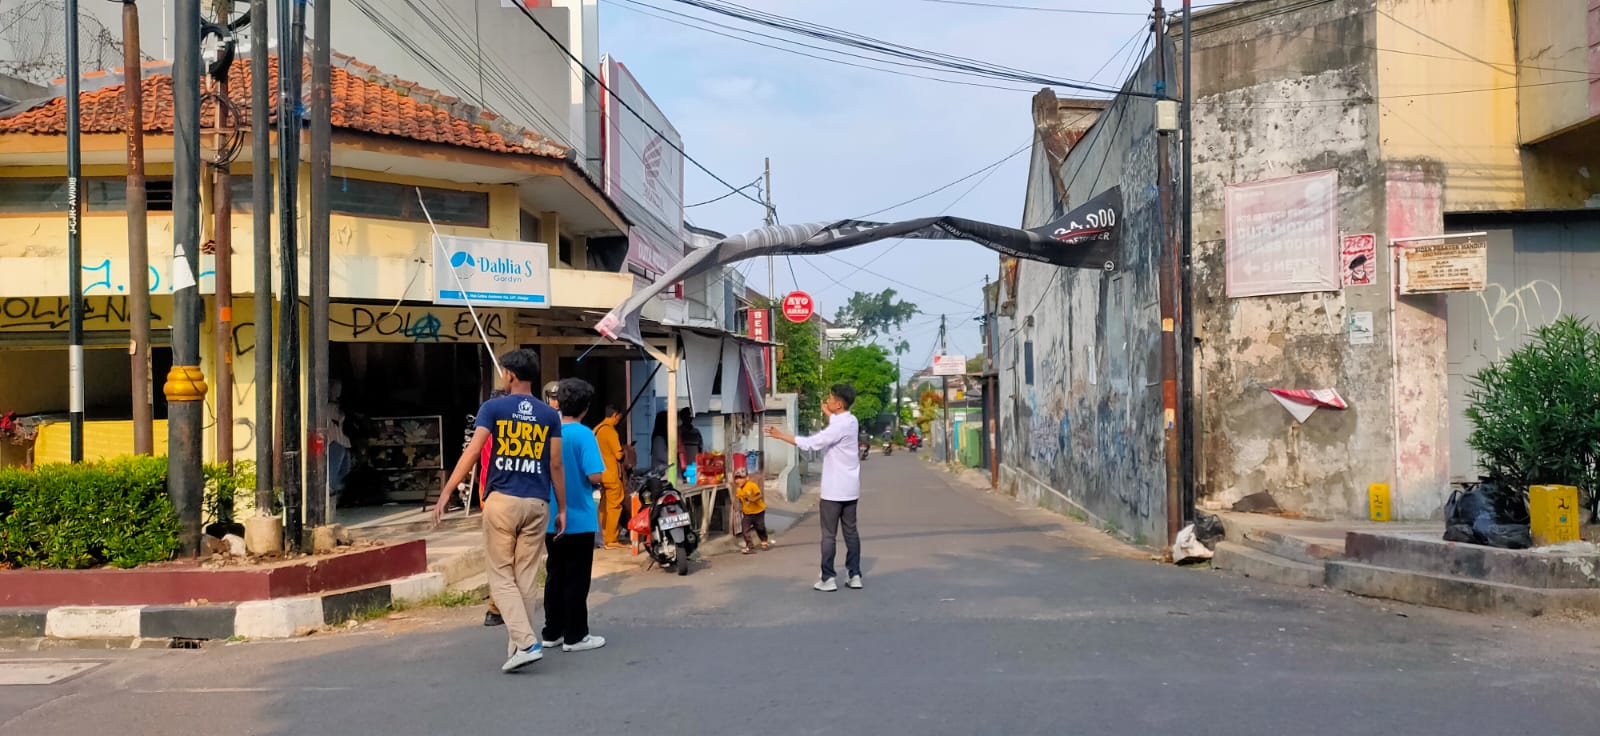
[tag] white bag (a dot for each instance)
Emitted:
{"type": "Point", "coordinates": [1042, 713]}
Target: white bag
{"type": "Point", "coordinates": [1188, 547]}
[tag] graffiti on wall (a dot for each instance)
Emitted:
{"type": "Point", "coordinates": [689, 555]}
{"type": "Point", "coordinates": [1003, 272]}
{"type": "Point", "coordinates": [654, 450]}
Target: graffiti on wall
{"type": "Point", "coordinates": [48, 314]}
{"type": "Point", "coordinates": [357, 323]}
{"type": "Point", "coordinates": [1513, 313]}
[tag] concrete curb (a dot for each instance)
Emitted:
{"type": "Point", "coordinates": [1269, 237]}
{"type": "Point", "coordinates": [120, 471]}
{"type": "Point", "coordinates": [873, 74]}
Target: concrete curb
{"type": "Point", "coordinates": [278, 618]}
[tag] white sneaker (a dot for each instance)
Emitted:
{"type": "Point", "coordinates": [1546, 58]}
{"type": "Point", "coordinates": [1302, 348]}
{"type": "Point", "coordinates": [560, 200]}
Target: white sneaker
{"type": "Point", "coordinates": [555, 644]}
{"type": "Point", "coordinates": [826, 585]}
{"type": "Point", "coordinates": [522, 658]}
{"type": "Point", "coordinates": [855, 582]}
{"type": "Point", "coordinates": [589, 642]}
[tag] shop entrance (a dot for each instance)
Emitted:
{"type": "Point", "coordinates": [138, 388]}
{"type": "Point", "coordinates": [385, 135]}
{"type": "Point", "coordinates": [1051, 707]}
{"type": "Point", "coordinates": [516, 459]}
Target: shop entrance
{"type": "Point", "coordinates": [407, 410]}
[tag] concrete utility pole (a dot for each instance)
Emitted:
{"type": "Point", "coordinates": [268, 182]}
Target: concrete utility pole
{"type": "Point", "coordinates": [138, 235]}
{"type": "Point", "coordinates": [1168, 281]}
{"type": "Point", "coordinates": [291, 35]}
{"type": "Point", "coordinates": [74, 242]}
{"type": "Point", "coordinates": [186, 384]}
{"type": "Point", "coordinates": [317, 511]}
{"type": "Point", "coordinates": [772, 327]}
{"type": "Point", "coordinates": [261, 211]}
{"type": "Point", "coordinates": [944, 398]}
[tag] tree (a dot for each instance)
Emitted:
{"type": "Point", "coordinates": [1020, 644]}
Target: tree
{"type": "Point", "coordinates": [876, 315]}
{"type": "Point", "coordinates": [800, 369]}
{"type": "Point", "coordinates": [929, 404]}
{"type": "Point", "coordinates": [868, 368]}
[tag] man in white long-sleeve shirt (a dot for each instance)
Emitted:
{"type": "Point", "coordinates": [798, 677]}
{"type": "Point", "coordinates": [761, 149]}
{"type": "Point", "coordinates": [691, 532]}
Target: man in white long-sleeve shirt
{"type": "Point", "coordinates": [841, 483]}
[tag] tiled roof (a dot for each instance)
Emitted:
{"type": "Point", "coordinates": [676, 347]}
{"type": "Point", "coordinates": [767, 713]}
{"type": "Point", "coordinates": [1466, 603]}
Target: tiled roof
{"type": "Point", "coordinates": [364, 100]}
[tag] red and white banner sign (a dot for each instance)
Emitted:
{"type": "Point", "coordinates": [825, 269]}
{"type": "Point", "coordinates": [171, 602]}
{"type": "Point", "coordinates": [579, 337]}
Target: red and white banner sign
{"type": "Point", "coordinates": [798, 307]}
{"type": "Point", "coordinates": [756, 323]}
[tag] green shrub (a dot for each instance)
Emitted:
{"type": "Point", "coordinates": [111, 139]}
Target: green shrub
{"type": "Point", "coordinates": [113, 513]}
{"type": "Point", "coordinates": [1535, 414]}
{"type": "Point", "coordinates": [225, 487]}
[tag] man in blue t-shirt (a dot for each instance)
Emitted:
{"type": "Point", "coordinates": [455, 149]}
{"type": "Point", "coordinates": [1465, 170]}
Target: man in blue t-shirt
{"type": "Point", "coordinates": [521, 438]}
{"type": "Point", "coordinates": [571, 564]}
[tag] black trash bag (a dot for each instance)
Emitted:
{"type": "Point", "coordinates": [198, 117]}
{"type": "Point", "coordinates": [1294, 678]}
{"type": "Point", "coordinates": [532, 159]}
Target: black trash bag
{"type": "Point", "coordinates": [1464, 507]}
{"type": "Point", "coordinates": [1508, 536]}
{"type": "Point", "coordinates": [1208, 529]}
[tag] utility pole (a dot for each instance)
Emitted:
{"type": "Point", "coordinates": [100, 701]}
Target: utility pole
{"type": "Point", "coordinates": [772, 327]}
{"type": "Point", "coordinates": [222, 241]}
{"type": "Point", "coordinates": [186, 384]}
{"type": "Point", "coordinates": [944, 397]}
{"type": "Point", "coordinates": [291, 33]}
{"type": "Point", "coordinates": [138, 235]}
{"type": "Point", "coordinates": [1167, 280]}
{"type": "Point", "coordinates": [1186, 422]}
{"type": "Point", "coordinates": [74, 242]}
{"type": "Point", "coordinates": [317, 347]}
{"type": "Point", "coordinates": [261, 211]}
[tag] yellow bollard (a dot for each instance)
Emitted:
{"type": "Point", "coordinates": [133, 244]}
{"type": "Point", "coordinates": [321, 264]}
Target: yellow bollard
{"type": "Point", "coordinates": [1553, 512]}
{"type": "Point", "coordinates": [1378, 502]}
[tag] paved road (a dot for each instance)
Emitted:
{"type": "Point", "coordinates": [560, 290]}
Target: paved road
{"type": "Point", "coordinates": [974, 621]}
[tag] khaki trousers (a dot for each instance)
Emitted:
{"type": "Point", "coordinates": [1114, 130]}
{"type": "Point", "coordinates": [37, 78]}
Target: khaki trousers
{"type": "Point", "coordinates": [611, 493]}
{"type": "Point", "coordinates": [513, 541]}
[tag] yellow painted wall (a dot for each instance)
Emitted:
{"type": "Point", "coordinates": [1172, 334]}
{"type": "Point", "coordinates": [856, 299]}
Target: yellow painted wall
{"type": "Point", "coordinates": [101, 440]}
{"type": "Point", "coordinates": [1435, 103]}
{"type": "Point", "coordinates": [1553, 49]}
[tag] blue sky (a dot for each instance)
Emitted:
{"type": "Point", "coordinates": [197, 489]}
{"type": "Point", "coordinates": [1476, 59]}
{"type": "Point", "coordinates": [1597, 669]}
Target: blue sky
{"type": "Point", "coordinates": [845, 141]}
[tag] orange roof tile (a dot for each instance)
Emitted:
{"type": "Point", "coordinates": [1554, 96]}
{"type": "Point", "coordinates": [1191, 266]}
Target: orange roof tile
{"type": "Point", "coordinates": [364, 100]}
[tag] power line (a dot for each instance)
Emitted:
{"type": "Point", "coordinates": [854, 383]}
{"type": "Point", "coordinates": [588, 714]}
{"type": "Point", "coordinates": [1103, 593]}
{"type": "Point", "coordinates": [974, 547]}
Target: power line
{"type": "Point", "coordinates": [629, 106]}
{"type": "Point", "coordinates": [885, 48]}
{"type": "Point", "coordinates": [725, 196]}
{"type": "Point", "coordinates": [1002, 6]}
{"type": "Point", "coordinates": [796, 52]}
{"type": "Point", "coordinates": [989, 168]}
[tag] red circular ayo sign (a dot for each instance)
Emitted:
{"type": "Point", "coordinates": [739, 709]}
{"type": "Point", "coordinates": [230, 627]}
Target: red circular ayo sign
{"type": "Point", "coordinates": [797, 306]}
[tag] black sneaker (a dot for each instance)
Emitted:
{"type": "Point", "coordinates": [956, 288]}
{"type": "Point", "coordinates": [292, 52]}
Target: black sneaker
{"type": "Point", "coordinates": [490, 618]}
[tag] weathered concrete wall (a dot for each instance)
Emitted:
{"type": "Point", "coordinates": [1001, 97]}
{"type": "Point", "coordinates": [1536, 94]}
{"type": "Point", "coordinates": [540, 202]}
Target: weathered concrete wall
{"type": "Point", "coordinates": [1553, 53]}
{"type": "Point", "coordinates": [1084, 433]}
{"type": "Point", "coordinates": [1255, 116]}
{"type": "Point", "coordinates": [1290, 88]}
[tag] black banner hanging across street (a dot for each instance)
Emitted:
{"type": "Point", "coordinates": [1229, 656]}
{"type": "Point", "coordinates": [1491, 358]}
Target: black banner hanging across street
{"type": "Point", "coordinates": [1087, 237]}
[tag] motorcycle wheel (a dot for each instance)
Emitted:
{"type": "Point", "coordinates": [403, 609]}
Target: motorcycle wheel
{"type": "Point", "coordinates": [681, 560]}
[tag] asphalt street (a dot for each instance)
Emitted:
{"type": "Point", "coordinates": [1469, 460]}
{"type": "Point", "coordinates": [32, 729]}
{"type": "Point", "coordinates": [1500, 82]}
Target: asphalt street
{"type": "Point", "coordinates": [977, 618]}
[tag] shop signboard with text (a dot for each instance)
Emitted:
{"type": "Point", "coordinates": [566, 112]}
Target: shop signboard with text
{"type": "Point", "coordinates": [1443, 264]}
{"type": "Point", "coordinates": [758, 327]}
{"type": "Point", "coordinates": [949, 365]}
{"type": "Point", "coordinates": [1283, 235]}
{"type": "Point", "coordinates": [481, 272]}
{"type": "Point", "coordinates": [643, 166]}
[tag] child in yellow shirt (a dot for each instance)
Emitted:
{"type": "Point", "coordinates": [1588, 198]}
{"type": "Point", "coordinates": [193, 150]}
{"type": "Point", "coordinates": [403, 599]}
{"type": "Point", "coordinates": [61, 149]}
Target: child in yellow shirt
{"type": "Point", "coordinates": [754, 507]}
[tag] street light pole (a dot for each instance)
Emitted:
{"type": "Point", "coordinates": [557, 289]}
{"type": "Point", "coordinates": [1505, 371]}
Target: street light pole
{"type": "Point", "coordinates": [138, 235]}
{"type": "Point", "coordinates": [1167, 284]}
{"type": "Point", "coordinates": [74, 241]}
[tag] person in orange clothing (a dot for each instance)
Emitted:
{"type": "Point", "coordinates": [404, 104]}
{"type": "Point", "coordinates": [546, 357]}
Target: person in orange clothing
{"type": "Point", "coordinates": [611, 482]}
{"type": "Point", "coordinates": [754, 506]}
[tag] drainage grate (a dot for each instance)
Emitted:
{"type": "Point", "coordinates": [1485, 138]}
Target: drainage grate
{"type": "Point", "coordinates": [185, 643]}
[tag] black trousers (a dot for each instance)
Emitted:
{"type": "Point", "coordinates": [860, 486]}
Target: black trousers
{"type": "Point", "coordinates": [835, 513]}
{"type": "Point", "coordinates": [754, 523]}
{"type": "Point", "coordinates": [569, 564]}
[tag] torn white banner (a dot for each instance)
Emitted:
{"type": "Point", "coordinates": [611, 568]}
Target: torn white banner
{"type": "Point", "coordinates": [1301, 404]}
{"type": "Point", "coordinates": [182, 275]}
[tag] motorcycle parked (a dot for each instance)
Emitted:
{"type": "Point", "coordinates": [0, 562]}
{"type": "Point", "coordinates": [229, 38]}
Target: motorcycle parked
{"type": "Point", "coordinates": [664, 522]}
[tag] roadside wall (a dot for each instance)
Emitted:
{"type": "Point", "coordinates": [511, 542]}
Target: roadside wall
{"type": "Point", "coordinates": [1079, 354]}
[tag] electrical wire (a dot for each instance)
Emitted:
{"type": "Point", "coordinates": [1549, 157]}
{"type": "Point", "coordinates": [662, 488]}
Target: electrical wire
{"type": "Point", "coordinates": [635, 7]}
{"type": "Point", "coordinates": [889, 49]}
{"type": "Point", "coordinates": [1001, 6]}
{"type": "Point", "coordinates": [629, 106]}
{"type": "Point", "coordinates": [989, 169]}
{"type": "Point", "coordinates": [724, 196]}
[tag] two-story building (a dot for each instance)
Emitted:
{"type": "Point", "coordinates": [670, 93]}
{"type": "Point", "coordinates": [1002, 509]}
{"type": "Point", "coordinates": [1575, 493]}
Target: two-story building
{"type": "Point", "coordinates": [411, 366]}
